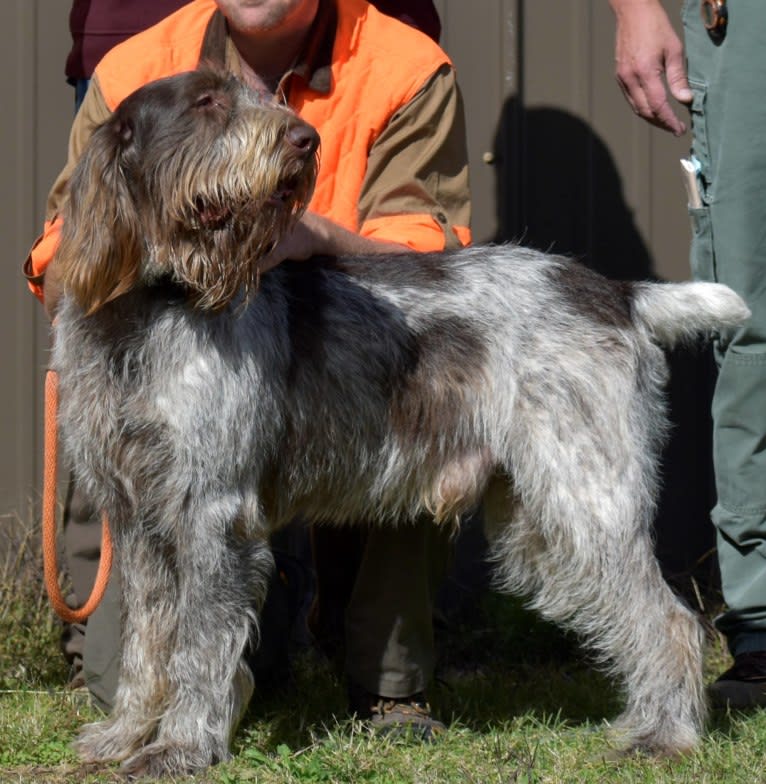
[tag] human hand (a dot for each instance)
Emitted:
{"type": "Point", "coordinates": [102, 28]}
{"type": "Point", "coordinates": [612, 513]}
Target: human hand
{"type": "Point", "coordinates": [304, 240]}
{"type": "Point", "coordinates": [315, 235]}
{"type": "Point", "coordinates": [648, 55]}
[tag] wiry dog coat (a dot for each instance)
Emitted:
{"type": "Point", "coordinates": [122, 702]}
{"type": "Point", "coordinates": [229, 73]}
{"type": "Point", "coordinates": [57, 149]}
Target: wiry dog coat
{"type": "Point", "coordinates": [203, 408]}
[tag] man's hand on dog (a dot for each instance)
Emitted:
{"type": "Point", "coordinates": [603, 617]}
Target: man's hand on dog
{"type": "Point", "coordinates": [314, 235]}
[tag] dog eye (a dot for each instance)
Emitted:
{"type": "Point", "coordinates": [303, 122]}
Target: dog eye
{"type": "Point", "coordinates": [203, 101]}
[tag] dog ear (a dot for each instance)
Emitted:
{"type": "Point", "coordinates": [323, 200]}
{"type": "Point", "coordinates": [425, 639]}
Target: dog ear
{"type": "Point", "coordinates": [100, 250]}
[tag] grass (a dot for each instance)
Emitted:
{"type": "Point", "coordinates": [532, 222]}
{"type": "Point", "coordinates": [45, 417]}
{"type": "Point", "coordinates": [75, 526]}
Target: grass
{"type": "Point", "coordinates": [523, 705]}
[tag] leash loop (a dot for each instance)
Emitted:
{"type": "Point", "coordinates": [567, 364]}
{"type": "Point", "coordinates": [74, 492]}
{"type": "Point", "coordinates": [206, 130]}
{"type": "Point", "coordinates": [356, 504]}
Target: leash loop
{"type": "Point", "coordinates": [50, 555]}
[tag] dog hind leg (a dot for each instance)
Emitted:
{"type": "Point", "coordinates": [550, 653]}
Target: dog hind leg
{"type": "Point", "coordinates": [573, 531]}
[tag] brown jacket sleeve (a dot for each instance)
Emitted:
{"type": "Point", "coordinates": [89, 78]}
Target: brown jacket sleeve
{"type": "Point", "coordinates": [92, 113]}
{"type": "Point", "coordinates": [419, 164]}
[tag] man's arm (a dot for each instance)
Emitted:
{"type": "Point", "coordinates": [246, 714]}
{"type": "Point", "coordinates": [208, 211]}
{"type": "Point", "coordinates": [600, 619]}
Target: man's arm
{"type": "Point", "coordinates": [416, 189]}
{"type": "Point", "coordinates": [43, 280]}
{"type": "Point", "coordinates": [315, 235]}
{"type": "Point", "coordinates": [415, 193]}
{"type": "Point", "coordinates": [648, 55]}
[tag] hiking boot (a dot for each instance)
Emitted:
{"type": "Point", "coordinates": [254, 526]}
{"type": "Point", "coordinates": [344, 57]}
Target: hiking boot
{"type": "Point", "coordinates": [396, 716]}
{"type": "Point", "coordinates": [743, 685]}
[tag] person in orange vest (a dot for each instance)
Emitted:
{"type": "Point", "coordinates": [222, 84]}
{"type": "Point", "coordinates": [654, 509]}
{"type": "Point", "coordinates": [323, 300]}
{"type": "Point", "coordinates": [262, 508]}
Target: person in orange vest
{"type": "Point", "coordinates": [96, 26]}
{"type": "Point", "coordinates": [393, 176]}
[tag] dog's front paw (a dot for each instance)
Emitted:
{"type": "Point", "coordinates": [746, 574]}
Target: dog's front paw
{"type": "Point", "coordinates": [108, 741]}
{"type": "Point", "coordinates": [158, 760]}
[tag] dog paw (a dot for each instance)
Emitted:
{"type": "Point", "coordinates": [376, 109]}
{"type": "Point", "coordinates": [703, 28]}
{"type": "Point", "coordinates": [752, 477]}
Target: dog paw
{"type": "Point", "coordinates": [107, 741]}
{"type": "Point", "coordinates": [158, 760]}
{"type": "Point", "coordinates": [671, 739]}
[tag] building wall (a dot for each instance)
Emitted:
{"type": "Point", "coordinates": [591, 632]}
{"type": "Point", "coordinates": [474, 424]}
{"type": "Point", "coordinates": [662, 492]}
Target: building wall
{"type": "Point", "coordinates": [37, 106]}
{"type": "Point", "coordinates": [557, 157]}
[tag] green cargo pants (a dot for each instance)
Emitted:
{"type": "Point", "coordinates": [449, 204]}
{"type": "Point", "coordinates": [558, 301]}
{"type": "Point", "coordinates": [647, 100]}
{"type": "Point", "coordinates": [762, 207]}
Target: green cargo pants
{"type": "Point", "coordinates": [728, 78]}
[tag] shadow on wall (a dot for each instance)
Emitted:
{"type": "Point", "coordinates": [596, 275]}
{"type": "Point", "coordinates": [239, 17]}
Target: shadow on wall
{"type": "Point", "coordinates": [558, 190]}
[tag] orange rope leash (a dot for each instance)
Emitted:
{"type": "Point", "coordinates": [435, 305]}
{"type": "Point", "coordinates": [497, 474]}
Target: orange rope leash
{"type": "Point", "coordinates": [50, 556]}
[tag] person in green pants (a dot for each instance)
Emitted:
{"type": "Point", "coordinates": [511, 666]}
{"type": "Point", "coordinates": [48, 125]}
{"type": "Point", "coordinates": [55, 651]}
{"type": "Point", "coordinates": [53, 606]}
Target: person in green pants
{"type": "Point", "coordinates": [720, 74]}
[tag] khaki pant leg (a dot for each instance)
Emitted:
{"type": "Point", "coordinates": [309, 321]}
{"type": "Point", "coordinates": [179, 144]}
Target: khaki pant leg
{"type": "Point", "coordinates": [389, 619]}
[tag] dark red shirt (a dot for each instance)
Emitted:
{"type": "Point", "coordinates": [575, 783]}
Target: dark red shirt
{"type": "Point", "coordinates": [418, 13]}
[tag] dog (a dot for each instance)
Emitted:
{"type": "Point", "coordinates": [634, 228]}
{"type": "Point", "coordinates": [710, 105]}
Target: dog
{"type": "Point", "coordinates": [205, 404]}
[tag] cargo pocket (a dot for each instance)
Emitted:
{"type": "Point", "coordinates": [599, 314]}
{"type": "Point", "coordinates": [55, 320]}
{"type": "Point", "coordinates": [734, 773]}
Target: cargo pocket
{"type": "Point", "coordinates": [702, 255]}
{"type": "Point", "coordinates": [739, 410]}
{"type": "Point", "coordinates": [700, 140]}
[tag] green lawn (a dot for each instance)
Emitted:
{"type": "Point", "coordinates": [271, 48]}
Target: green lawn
{"type": "Point", "coordinates": [523, 706]}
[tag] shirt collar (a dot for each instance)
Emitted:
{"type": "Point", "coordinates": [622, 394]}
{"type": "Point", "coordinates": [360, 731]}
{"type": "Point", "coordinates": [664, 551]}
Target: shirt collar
{"type": "Point", "coordinates": [313, 66]}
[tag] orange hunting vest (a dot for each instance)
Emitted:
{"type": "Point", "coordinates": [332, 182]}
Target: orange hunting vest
{"type": "Point", "coordinates": [380, 65]}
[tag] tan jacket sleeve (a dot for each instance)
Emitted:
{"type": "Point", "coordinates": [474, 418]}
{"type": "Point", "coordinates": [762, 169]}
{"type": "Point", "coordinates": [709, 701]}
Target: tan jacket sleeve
{"type": "Point", "coordinates": [419, 166]}
{"type": "Point", "coordinates": [92, 113]}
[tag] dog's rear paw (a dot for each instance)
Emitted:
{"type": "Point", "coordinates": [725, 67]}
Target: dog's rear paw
{"type": "Point", "coordinates": [671, 740]}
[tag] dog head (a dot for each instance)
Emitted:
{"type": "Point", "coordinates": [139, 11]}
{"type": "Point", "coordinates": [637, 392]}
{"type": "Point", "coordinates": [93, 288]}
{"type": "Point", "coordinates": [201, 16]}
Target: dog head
{"type": "Point", "coordinates": [194, 178]}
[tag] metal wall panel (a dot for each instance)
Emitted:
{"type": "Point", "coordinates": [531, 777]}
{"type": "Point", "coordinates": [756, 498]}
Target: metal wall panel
{"type": "Point", "coordinates": [557, 158]}
{"type": "Point", "coordinates": [38, 111]}
{"type": "Point", "coordinates": [482, 40]}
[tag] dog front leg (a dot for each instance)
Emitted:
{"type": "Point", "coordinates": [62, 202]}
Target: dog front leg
{"type": "Point", "coordinates": [148, 603]}
{"type": "Point", "coordinates": [222, 579]}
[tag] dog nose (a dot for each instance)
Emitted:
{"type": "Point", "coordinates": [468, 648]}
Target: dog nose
{"type": "Point", "coordinates": [303, 137]}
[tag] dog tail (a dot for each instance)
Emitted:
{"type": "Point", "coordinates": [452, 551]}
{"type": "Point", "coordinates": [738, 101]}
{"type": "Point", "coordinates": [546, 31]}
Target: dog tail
{"type": "Point", "coordinates": [682, 312]}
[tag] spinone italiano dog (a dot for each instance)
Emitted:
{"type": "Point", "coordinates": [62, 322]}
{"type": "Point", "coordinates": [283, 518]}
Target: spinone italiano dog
{"type": "Point", "coordinates": [204, 405]}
